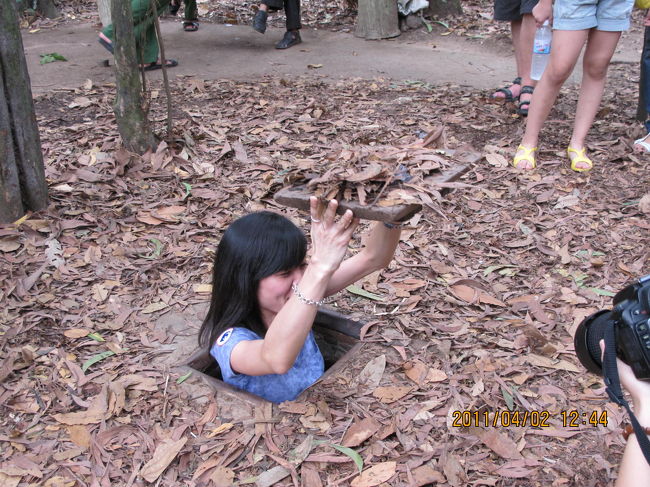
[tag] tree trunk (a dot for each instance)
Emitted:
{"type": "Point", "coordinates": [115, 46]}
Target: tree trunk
{"type": "Point", "coordinates": [377, 19]}
{"type": "Point", "coordinates": [444, 8]}
{"type": "Point", "coordinates": [11, 205]}
{"type": "Point", "coordinates": [104, 9]}
{"type": "Point", "coordinates": [130, 114]}
{"type": "Point", "coordinates": [22, 174]}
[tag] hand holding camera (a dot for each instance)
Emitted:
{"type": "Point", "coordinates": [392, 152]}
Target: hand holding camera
{"type": "Point", "coordinates": [616, 344]}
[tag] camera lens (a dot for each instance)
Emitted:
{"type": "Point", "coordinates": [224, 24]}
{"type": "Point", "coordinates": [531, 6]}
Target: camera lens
{"type": "Point", "coordinates": [587, 340]}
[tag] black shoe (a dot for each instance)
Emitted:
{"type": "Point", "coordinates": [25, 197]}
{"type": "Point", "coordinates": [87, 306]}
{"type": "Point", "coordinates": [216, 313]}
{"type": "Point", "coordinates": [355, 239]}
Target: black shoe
{"type": "Point", "coordinates": [259, 21]}
{"type": "Point", "coordinates": [290, 39]}
{"type": "Point", "coordinates": [174, 8]}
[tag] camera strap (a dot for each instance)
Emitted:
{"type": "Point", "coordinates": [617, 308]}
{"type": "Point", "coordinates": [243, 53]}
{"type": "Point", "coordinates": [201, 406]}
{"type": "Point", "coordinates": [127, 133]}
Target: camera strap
{"type": "Point", "coordinates": [613, 383]}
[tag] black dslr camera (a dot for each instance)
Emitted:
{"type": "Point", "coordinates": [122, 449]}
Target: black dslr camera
{"type": "Point", "coordinates": [630, 318]}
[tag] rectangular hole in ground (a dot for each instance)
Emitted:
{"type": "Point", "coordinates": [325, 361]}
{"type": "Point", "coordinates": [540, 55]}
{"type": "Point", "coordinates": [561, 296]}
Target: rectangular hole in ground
{"type": "Point", "coordinates": [336, 335]}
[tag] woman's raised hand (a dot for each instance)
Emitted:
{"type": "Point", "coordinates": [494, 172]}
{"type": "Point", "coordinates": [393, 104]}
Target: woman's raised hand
{"type": "Point", "coordinates": [330, 238]}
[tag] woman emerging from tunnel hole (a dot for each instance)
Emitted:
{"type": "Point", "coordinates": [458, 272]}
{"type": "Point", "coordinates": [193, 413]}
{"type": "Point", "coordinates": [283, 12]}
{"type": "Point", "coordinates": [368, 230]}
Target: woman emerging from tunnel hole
{"type": "Point", "coordinates": [265, 295]}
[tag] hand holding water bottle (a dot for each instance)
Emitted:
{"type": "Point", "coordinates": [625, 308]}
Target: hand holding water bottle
{"type": "Point", "coordinates": [543, 11]}
{"type": "Point", "coordinates": [541, 50]}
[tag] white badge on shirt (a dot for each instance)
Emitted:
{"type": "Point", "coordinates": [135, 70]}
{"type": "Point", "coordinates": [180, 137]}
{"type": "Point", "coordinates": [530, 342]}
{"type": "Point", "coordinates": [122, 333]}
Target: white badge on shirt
{"type": "Point", "coordinates": [224, 337]}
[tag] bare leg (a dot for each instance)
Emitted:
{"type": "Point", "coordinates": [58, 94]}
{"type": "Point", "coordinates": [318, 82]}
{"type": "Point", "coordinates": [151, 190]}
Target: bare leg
{"type": "Point", "coordinates": [524, 53]}
{"type": "Point", "coordinates": [515, 29]}
{"type": "Point", "coordinates": [560, 66]}
{"type": "Point", "coordinates": [598, 54]}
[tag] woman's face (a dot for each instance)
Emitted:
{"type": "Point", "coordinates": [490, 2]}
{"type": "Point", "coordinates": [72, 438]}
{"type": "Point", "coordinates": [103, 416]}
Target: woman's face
{"type": "Point", "coordinates": [275, 290]}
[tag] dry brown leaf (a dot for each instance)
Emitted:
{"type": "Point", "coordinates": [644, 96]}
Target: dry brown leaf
{"type": "Point", "coordinates": [375, 475]}
{"type": "Point", "coordinates": [466, 293]}
{"type": "Point", "coordinates": [272, 476]}
{"type": "Point", "coordinates": [360, 431]}
{"type": "Point", "coordinates": [388, 394]}
{"type": "Point", "coordinates": [220, 429]}
{"type": "Point", "coordinates": [518, 468]}
{"type": "Point", "coordinates": [79, 435]}
{"type": "Point", "coordinates": [540, 361]}
{"type": "Point", "coordinates": [420, 373]}
{"type": "Point", "coordinates": [9, 244]}
{"type": "Point", "coordinates": [222, 477]}
{"type": "Point", "coordinates": [146, 217]}
{"type": "Point", "coordinates": [473, 295]}
{"type": "Point", "coordinates": [153, 307]}
{"type": "Point", "coordinates": [371, 375]}
{"type": "Point", "coordinates": [96, 412]}
{"type": "Point", "coordinates": [76, 332]}
{"type": "Point", "coordinates": [644, 204]}
{"type": "Point", "coordinates": [9, 480]}
{"type": "Point", "coordinates": [427, 475]}
{"type": "Point", "coordinates": [58, 481]}
{"type": "Point", "coordinates": [453, 470]}
{"type": "Point", "coordinates": [500, 443]}
{"type": "Point", "coordinates": [165, 453]}
{"type": "Point", "coordinates": [309, 477]}
{"type": "Point", "coordinates": [202, 288]}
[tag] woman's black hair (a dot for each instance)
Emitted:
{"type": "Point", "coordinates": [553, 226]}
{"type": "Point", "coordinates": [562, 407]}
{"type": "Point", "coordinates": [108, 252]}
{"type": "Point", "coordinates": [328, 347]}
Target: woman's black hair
{"type": "Point", "coordinates": [253, 247]}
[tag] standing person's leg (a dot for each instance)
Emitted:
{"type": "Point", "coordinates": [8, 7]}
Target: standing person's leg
{"type": "Point", "coordinates": [613, 17]}
{"type": "Point", "coordinates": [292, 36]}
{"type": "Point", "coordinates": [560, 66]}
{"type": "Point", "coordinates": [524, 54]}
{"type": "Point", "coordinates": [643, 110]}
{"type": "Point", "coordinates": [598, 54]}
{"type": "Point", "coordinates": [146, 43]}
{"type": "Point", "coordinates": [508, 11]}
{"type": "Point", "coordinates": [191, 16]}
{"type": "Point", "coordinates": [262, 14]}
{"type": "Point", "coordinates": [643, 144]}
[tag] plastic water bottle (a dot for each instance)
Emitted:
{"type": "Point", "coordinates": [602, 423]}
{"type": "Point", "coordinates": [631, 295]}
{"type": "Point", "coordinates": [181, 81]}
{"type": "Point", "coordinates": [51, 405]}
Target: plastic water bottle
{"type": "Point", "coordinates": [541, 50]}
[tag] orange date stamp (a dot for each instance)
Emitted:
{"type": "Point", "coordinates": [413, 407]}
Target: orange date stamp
{"type": "Point", "coordinates": [535, 419]}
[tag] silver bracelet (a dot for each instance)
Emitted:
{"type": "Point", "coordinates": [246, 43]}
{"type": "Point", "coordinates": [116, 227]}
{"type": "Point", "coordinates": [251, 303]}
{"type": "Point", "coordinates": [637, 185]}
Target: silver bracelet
{"type": "Point", "coordinates": [392, 226]}
{"type": "Point", "coordinates": [303, 299]}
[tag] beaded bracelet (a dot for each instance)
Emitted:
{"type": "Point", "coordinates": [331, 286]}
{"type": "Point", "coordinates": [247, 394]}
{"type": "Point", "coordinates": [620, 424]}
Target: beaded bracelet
{"type": "Point", "coordinates": [303, 299]}
{"type": "Point", "coordinates": [629, 430]}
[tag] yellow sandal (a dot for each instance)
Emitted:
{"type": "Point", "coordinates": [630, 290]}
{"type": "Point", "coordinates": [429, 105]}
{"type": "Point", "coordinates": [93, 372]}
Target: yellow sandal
{"type": "Point", "coordinates": [526, 156]}
{"type": "Point", "coordinates": [580, 156]}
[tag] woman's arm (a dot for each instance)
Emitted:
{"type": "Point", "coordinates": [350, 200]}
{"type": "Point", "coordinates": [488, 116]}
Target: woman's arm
{"type": "Point", "coordinates": [634, 470]}
{"type": "Point", "coordinates": [379, 249]}
{"type": "Point", "coordinates": [288, 330]}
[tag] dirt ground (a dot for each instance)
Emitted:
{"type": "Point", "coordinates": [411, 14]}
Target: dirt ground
{"type": "Point", "coordinates": [101, 295]}
{"type": "Point", "coordinates": [237, 52]}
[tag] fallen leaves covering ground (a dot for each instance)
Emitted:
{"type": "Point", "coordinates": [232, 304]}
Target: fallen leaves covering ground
{"type": "Point", "coordinates": [477, 312]}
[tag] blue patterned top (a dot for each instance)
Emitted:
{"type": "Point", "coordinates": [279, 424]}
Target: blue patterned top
{"type": "Point", "coordinates": [306, 370]}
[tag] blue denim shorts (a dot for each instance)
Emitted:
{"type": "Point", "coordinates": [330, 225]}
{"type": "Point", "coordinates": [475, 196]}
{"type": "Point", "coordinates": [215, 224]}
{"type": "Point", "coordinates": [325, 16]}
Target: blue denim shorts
{"type": "Point", "coordinates": [606, 15]}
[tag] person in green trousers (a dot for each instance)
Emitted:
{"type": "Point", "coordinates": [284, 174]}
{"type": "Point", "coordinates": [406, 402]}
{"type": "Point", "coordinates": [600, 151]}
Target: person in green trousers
{"type": "Point", "coordinates": [190, 15]}
{"type": "Point", "coordinates": [146, 42]}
